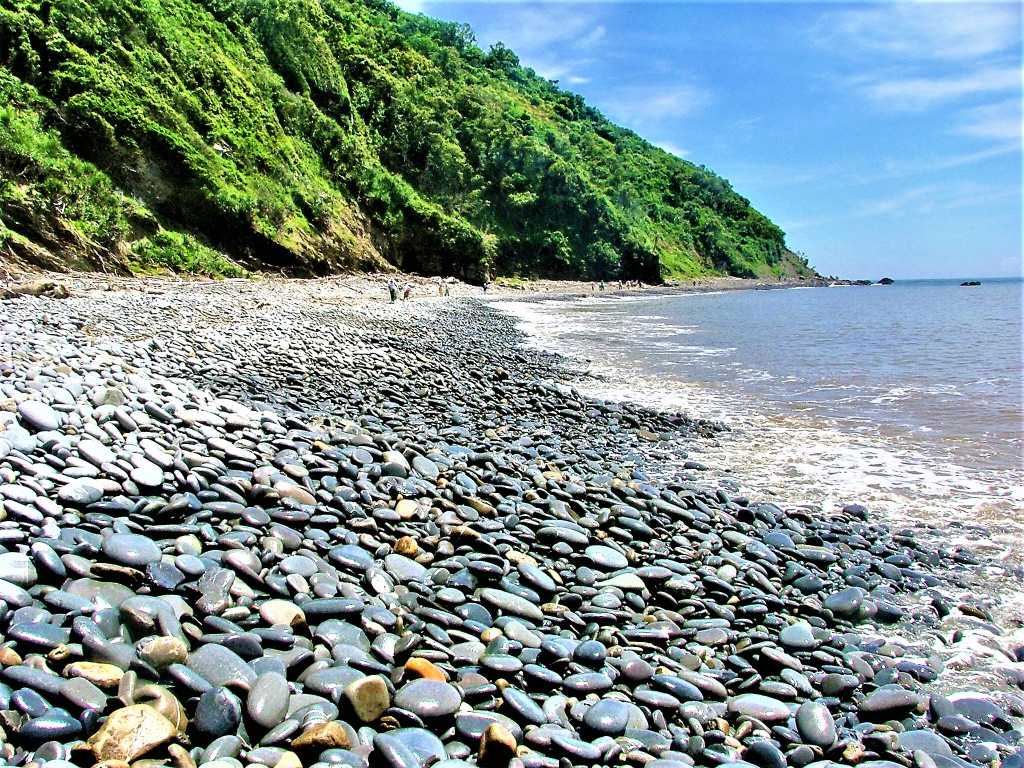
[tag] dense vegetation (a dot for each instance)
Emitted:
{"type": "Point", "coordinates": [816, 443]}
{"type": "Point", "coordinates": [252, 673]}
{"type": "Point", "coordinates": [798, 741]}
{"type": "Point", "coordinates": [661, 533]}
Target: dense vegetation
{"type": "Point", "coordinates": [311, 137]}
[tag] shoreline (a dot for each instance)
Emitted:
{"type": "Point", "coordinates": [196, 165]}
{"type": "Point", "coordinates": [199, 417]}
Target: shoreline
{"type": "Point", "coordinates": [373, 286]}
{"type": "Point", "coordinates": [264, 458]}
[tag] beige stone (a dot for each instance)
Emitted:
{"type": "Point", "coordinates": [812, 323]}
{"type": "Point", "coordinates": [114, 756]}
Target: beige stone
{"type": "Point", "coordinates": [164, 702]}
{"type": "Point", "coordinates": [160, 652]}
{"type": "Point", "coordinates": [407, 508]}
{"type": "Point", "coordinates": [368, 697]}
{"type": "Point", "coordinates": [131, 732]}
{"type": "Point", "coordinates": [180, 756]}
{"type": "Point", "coordinates": [105, 676]}
{"type": "Point", "coordinates": [320, 737]}
{"type": "Point", "coordinates": [282, 612]}
{"type": "Point", "coordinates": [294, 492]}
{"type": "Point", "coordinates": [497, 747]}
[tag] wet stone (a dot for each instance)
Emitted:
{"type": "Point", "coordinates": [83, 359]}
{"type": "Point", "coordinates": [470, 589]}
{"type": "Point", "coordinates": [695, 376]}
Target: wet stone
{"type": "Point", "coordinates": [267, 702]}
{"type": "Point", "coordinates": [587, 682]}
{"type": "Point", "coordinates": [428, 699]}
{"type": "Point", "coordinates": [219, 666]}
{"type": "Point", "coordinates": [80, 492]}
{"type": "Point", "coordinates": [816, 724]}
{"type": "Point", "coordinates": [798, 636]}
{"type": "Point", "coordinates": [18, 569]}
{"type": "Point", "coordinates": [131, 549]}
{"type": "Point", "coordinates": [368, 698]}
{"type": "Point", "coordinates": [608, 717]}
{"type": "Point", "coordinates": [510, 604]}
{"type": "Point", "coordinates": [927, 741]}
{"type": "Point", "coordinates": [218, 713]}
{"type": "Point", "coordinates": [606, 558]}
{"type": "Point", "coordinates": [888, 704]}
{"type": "Point", "coordinates": [764, 708]}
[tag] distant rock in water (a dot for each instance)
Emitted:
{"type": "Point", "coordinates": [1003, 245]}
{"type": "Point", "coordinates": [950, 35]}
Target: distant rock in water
{"type": "Point", "coordinates": [886, 281]}
{"type": "Point", "coordinates": [970, 282]}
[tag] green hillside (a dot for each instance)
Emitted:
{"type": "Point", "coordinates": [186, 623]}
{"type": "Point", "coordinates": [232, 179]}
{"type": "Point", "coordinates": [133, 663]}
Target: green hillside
{"type": "Point", "coordinates": [314, 137]}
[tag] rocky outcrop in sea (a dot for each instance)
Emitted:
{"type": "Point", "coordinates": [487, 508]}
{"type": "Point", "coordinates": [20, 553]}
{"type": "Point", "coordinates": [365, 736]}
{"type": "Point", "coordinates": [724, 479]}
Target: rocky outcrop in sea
{"type": "Point", "coordinates": [248, 524]}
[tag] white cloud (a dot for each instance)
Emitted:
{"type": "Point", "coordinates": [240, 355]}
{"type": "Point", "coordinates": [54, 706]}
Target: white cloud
{"type": "Point", "coordinates": [639, 106]}
{"type": "Point", "coordinates": [994, 121]}
{"type": "Point", "coordinates": [920, 93]}
{"type": "Point", "coordinates": [412, 6]}
{"type": "Point", "coordinates": [556, 40]}
{"type": "Point", "coordinates": [672, 149]}
{"type": "Point", "coordinates": [899, 168]}
{"type": "Point", "coordinates": [920, 199]}
{"type": "Point", "coordinates": [923, 30]}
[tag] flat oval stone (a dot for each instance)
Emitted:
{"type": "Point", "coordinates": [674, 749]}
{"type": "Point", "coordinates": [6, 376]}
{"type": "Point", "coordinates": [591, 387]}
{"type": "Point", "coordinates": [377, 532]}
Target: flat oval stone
{"type": "Point", "coordinates": [797, 636]}
{"type": "Point", "coordinates": [398, 746]}
{"type": "Point", "coordinates": [219, 666]}
{"type": "Point", "coordinates": [55, 725]}
{"type": "Point", "coordinates": [606, 558]}
{"type": "Point", "coordinates": [218, 713]}
{"type": "Point", "coordinates": [889, 703]}
{"type": "Point", "coordinates": [926, 741]}
{"type": "Point", "coordinates": [18, 569]}
{"type": "Point", "coordinates": [38, 416]}
{"type": "Point", "coordinates": [608, 717]}
{"type": "Point", "coordinates": [510, 604]}
{"type": "Point", "coordinates": [429, 699]}
{"type": "Point", "coordinates": [471, 725]}
{"type": "Point", "coordinates": [816, 725]}
{"type": "Point", "coordinates": [131, 549]}
{"type": "Point", "coordinates": [587, 682]}
{"type": "Point", "coordinates": [764, 708]}
{"type": "Point", "coordinates": [267, 702]}
{"type": "Point", "coordinates": [95, 452]}
{"type": "Point", "coordinates": [147, 474]}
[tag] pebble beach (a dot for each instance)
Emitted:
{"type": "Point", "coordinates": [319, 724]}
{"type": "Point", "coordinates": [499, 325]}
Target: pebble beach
{"type": "Point", "coordinates": [288, 524]}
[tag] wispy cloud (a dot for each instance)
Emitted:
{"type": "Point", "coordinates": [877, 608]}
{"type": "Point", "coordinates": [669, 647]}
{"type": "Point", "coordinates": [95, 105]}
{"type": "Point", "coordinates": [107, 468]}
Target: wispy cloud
{"type": "Point", "coordinates": [921, 199]}
{"type": "Point", "coordinates": [557, 40]}
{"type": "Point", "coordinates": [994, 121]}
{"type": "Point", "coordinates": [412, 6]}
{"type": "Point", "coordinates": [924, 200]}
{"type": "Point", "coordinates": [901, 167]}
{"type": "Point", "coordinates": [920, 93]}
{"type": "Point", "coordinates": [922, 30]}
{"type": "Point", "coordinates": [646, 105]}
{"type": "Point", "coordinates": [672, 149]}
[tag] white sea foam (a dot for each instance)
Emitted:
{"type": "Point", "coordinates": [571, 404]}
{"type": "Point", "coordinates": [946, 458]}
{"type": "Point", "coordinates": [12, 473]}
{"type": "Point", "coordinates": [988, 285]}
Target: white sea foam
{"type": "Point", "coordinates": [792, 455]}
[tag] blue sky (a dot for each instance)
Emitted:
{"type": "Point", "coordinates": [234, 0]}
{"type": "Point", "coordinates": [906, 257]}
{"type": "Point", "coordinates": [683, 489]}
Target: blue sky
{"type": "Point", "coordinates": [884, 138]}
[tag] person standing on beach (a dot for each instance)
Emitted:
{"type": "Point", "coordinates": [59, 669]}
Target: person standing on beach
{"type": "Point", "coordinates": [393, 290]}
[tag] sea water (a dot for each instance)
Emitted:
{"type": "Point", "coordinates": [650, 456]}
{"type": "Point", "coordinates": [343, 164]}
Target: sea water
{"type": "Point", "coordinates": [904, 398]}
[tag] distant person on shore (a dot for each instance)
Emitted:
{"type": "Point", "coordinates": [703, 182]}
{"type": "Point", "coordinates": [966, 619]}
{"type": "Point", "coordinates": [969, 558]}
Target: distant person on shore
{"type": "Point", "coordinates": [486, 286]}
{"type": "Point", "coordinates": [393, 290]}
{"type": "Point", "coordinates": [447, 290]}
{"type": "Point", "coordinates": [407, 292]}
{"type": "Point", "coordinates": [440, 289]}
{"type": "Point", "coordinates": [602, 285]}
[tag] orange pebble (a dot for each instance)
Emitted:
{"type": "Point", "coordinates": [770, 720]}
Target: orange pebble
{"type": "Point", "coordinates": [417, 667]}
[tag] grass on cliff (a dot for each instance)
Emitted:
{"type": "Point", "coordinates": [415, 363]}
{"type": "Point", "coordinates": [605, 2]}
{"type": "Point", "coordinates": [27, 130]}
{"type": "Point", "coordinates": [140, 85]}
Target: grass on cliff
{"type": "Point", "coordinates": [318, 135]}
